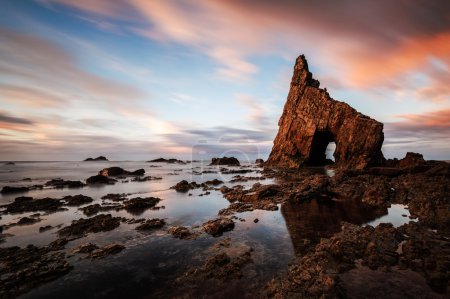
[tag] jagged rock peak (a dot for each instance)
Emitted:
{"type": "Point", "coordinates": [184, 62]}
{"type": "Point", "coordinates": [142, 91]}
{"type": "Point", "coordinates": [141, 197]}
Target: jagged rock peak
{"type": "Point", "coordinates": [311, 119]}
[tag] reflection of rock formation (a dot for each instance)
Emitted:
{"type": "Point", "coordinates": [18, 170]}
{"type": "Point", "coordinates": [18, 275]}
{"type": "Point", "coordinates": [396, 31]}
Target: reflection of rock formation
{"type": "Point", "coordinates": [308, 222]}
{"type": "Point", "coordinates": [311, 120]}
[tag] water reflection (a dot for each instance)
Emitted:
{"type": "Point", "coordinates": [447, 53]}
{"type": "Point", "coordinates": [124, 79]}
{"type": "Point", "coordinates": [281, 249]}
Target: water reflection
{"type": "Point", "coordinates": [309, 221]}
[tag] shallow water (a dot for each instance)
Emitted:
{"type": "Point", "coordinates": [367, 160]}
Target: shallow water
{"type": "Point", "coordinates": [398, 215]}
{"type": "Point", "coordinates": [152, 261]}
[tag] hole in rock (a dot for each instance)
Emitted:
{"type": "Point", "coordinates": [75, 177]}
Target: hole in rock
{"type": "Point", "coordinates": [322, 149]}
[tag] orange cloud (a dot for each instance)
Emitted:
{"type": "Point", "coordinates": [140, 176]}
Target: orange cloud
{"type": "Point", "coordinates": [436, 119]}
{"type": "Point", "coordinates": [411, 54]}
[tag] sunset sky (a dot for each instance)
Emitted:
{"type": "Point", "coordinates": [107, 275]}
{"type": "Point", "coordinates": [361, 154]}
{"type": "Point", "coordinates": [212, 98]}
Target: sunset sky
{"type": "Point", "coordinates": [135, 79]}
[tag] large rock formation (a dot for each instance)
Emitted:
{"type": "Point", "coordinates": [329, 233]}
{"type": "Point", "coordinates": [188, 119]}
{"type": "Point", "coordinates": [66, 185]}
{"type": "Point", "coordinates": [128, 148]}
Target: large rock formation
{"type": "Point", "coordinates": [311, 119]}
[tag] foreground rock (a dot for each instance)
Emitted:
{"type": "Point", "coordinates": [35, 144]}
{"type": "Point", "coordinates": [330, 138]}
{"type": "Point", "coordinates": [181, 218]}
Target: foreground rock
{"type": "Point", "coordinates": [99, 158]}
{"type": "Point", "coordinates": [91, 210]}
{"type": "Point", "coordinates": [185, 186]}
{"type": "Point", "coordinates": [106, 250]}
{"type": "Point", "coordinates": [60, 183]}
{"type": "Point", "coordinates": [259, 197]}
{"type": "Point", "coordinates": [23, 269]}
{"type": "Point", "coordinates": [138, 205]}
{"type": "Point", "coordinates": [82, 227]}
{"type": "Point", "coordinates": [182, 232]}
{"type": "Point", "coordinates": [85, 248]}
{"type": "Point", "coordinates": [12, 189]}
{"type": "Point", "coordinates": [28, 204]}
{"type": "Point", "coordinates": [151, 224]}
{"type": "Point", "coordinates": [77, 200]}
{"type": "Point", "coordinates": [118, 171]}
{"type": "Point", "coordinates": [218, 226]}
{"type": "Point", "coordinates": [100, 179]}
{"type": "Point", "coordinates": [311, 119]}
{"type": "Point", "coordinates": [225, 161]}
{"type": "Point", "coordinates": [322, 271]}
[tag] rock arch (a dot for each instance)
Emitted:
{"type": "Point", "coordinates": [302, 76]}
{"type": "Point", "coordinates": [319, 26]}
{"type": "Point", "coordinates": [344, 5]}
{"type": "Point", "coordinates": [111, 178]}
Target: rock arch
{"type": "Point", "coordinates": [311, 119]}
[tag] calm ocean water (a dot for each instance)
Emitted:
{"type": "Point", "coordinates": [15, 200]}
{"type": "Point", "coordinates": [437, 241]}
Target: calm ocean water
{"type": "Point", "coordinates": [151, 261]}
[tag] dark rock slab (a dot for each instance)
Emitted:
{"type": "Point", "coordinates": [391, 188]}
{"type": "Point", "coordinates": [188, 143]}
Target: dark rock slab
{"type": "Point", "coordinates": [169, 161]}
{"type": "Point", "coordinates": [14, 189]}
{"type": "Point", "coordinates": [28, 204]}
{"type": "Point", "coordinates": [77, 200]}
{"type": "Point", "coordinates": [151, 224]}
{"type": "Point", "coordinates": [225, 161]}
{"type": "Point", "coordinates": [81, 227]}
{"type": "Point", "coordinates": [100, 179]}
{"type": "Point", "coordinates": [218, 226]}
{"type": "Point", "coordinates": [106, 250]}
{"type": "Point", "coordinates": [99, 158]}
{"type": "Point", "coordinates": [23, 269]}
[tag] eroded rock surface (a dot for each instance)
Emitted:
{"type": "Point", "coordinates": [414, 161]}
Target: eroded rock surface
{"type": "Point", "coordinates": [25, 268]}
{"type": "Point", "coordinates": [81, 227]}
{"type": "Point", "coordinates": [311, 119]}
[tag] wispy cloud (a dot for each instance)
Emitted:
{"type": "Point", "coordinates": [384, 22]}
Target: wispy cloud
{"type": "Point", "coordinates": [368, 43]}
{"type": "Point", "coordinates": [428, 133]}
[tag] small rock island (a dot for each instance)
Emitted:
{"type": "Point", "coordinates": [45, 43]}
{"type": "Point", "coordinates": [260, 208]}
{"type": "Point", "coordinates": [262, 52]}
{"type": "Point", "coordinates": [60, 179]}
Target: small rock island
{"type": "Point", "coordinates": [99, 158]}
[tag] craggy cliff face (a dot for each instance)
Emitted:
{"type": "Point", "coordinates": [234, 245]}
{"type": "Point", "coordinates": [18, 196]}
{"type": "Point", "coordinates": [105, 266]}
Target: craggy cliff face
{"type": "Point", "coordinates": [311, 119]}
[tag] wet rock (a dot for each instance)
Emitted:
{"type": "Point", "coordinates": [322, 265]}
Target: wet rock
{"type": "Point", "coordinates": [318, 272]}
{"type": "Point", "coordinates": [214, 182]}
{"type": "Point", "coordinates": [12, 189]}
{"type": "Point", "coordinates": [139, 204]}
{"type": "Point", "coordinates": [99, 158]}
{"type": "Point", "coordinates": [85, 248]}
{"type": "Point", "coordinates": [235, 171]}
{"type": "Point", "coordinates": [259, 161]}
{"type": "Point", "coordinates": [185, 186]}
{"type": "Point", "coordinates": [182, 232]}
{"type": "Point", "coordinates": [145, 179]}
{"type": "Point", "coordinates": [219, 266]}
{"type": "Point", "coordinates": [218, 226]}
{"type": "Point", "coordinates": [28, 204]}
{"type": "Point", "coordinates": [257, 192]}
{"type": "Point", "coordinates": [118, 171]}
{"type": "Point", "coordinates": [45, 228]}
{"type": "Point", "coordinates": [100, 179]}
{"type": "Point", "coordinates": [10, 163]}
{"type": "Point", "coordinates": [81, 227]}
{"type": "Point", "coordinates": [240, 178]}
{"type": "Point", "coordinates": [138, 172]}
{"type": "Point", "coordinates": [115, 197]}
{"type": "Point", "coordinates": [77, 200]}
{"type": "Point", "coordinates": [311, 119]}
{"type": "Point", "coordinates": [170, 161]}
{"type": "Point", "coordinates": [240, 207]}
{"type": "Point", "coordinates": [426, 196]}
{"type": "Point", "coordinates": [106, 250]}
{"type": "Point", "coordinates": [225, 161]}
{"type": "Point", "coordinates": [60, 183]}
{"type": "Point", "coordinates": [58, 244]}
{"type": "Point", "coordinates": [256, 220]}
{"type": "Point", "coordinates": [26, 268]}
{"type": "Point", "coordinates": [151, 224]}
{"type": "Point", "coordinates": [28, 221]}
{"type": "Point", "coordinates": [91, 210]}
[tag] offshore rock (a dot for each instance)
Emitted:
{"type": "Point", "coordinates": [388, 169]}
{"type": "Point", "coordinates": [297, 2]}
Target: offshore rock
{"type": "Point", "coordinates": [99, 158]}
{"type": "Point", "coordinates": [311, 119]}
{"type": "Point", "coordinates": [225, 161]}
